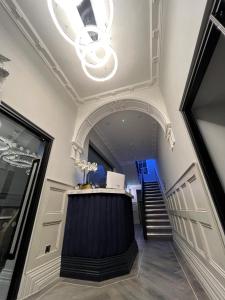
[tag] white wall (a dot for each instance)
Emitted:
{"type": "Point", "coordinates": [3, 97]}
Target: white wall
{"type": "Point", "coordinates": [181, 24]}
{"type": "Point", "coordinates": [196, 229]}
{"type": "Point", "coordinates": [33, 91]}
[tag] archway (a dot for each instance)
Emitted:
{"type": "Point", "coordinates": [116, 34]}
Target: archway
{"type": "Point", "coordinates": [103, 111]}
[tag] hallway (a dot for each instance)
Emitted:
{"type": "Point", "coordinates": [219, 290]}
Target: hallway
{"type": "Point", "coordinates": [157, 274]}
{"type": "Point", "coordinates": [112, 142]}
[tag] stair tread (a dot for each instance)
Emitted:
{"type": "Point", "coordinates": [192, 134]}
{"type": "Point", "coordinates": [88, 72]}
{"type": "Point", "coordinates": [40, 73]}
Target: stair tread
{"type": "Point", "coordinates": [155, 205]}
{"type": "Point", "coordinates": [149, 215]}
{"type": "Point", "coordinates": [154, 201]}
{"type": "Point", "coordinates": [159, 226]}
{"type": "Point", "coordinates": [158, 220]}
{"type": "Point", "coordinates": [156, 209]}
{"type": "Point", "coordinates": [159, 234]}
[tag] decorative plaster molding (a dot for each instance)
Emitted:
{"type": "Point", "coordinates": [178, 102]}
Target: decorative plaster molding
{"type": "Point", "coordinates": [114, 106]}
{"type": "Point", "coordinates": [170, 136]}
{"type": "Point", "coordinates": [17, 15]}
{"type": "Point", "coordinates": [208, 280]}
{"type": "Point", "coordinates": [40, 277]}
{"type": "Point", "coordinates": [120, 91]}
{"type": "Point", "coordinates": [22, 22]}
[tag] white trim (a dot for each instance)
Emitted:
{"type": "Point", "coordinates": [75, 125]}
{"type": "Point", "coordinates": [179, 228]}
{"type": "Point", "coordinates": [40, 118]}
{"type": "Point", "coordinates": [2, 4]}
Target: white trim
{"type": "Point", "coordinates": [19, 18]}
{"type": "Point", "coordinates": [14, 11]}
{"type": "Point", "coordinates": [212, 286]}
{"type": "Point", "coordinates": [40, 277]}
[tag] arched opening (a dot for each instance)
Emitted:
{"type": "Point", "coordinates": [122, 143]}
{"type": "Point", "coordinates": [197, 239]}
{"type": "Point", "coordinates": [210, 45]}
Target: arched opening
{"type": "Point", "coordinates": [86, 124]}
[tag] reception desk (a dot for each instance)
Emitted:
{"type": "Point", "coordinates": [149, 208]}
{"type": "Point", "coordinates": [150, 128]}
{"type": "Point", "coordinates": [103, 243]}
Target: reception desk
{"type": "Point", "coordinates": [99, 241]}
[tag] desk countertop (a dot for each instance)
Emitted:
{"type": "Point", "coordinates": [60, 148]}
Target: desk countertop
{"type": "Point", "coordinates": [99, 190]}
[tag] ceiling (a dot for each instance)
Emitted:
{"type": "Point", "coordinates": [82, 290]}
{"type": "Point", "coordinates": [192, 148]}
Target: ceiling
{"type": "Point", "coordinates": [130, 136]}
{"type": "Point", "coordinates": [135, 38]}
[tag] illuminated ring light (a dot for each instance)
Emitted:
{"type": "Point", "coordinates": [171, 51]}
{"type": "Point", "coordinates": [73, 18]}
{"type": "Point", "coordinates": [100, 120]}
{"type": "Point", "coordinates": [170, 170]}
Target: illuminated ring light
{"type": "Point", "coordinates": [5, 144]}
{"type": "Point", "coordinates": [15, 158]}
{"type": "Point", "coordinates": [109, 76]}
{"type": "Point", "coordinates": [93, 46]}
{"type": "Point", "coordinates": [56, 22]}
{"type": "Point", "coordinates": [58, 26]}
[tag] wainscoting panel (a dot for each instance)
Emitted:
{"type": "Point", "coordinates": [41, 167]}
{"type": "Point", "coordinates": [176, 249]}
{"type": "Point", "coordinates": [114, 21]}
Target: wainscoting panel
{"type": "Point", "coordinates": [43, 262]}
{"type": "Point", "coordinates": [195, 231]}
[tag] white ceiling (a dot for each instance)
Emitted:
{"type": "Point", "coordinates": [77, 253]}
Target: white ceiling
{"type": "Point", "coordinates": [130, 136]}
{"type": "Point", "coordinates": [134, 38]}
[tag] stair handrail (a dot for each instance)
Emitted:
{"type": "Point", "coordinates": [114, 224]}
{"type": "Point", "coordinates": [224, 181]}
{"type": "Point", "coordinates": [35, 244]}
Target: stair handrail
{"type": "Point", "coordinates": [143, 208]}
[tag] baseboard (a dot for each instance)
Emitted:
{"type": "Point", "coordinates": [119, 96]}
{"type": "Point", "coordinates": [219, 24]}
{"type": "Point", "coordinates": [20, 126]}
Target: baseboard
{"type": "Point", "coordinates": [37, 279]}
{"type": "Point", "coordinates": [214, 289]}
{"type": "Point", "coordinates": [99, 269]}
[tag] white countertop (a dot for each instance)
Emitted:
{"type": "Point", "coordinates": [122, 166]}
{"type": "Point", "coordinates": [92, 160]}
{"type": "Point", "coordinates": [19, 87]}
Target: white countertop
{"type": "Point", "coordinates": [101, 190]}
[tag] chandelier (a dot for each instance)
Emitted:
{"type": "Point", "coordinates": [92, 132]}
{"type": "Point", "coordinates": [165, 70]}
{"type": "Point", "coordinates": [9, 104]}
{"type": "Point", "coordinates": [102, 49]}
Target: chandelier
{"type": "Point", "coordinates": [93, 33]}
{"type": "Point", "coordinates": [16, 156]}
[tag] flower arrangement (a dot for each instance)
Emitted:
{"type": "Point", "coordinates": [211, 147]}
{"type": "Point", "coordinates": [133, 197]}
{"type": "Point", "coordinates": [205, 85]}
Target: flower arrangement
{"type": "Point", "coordinates": [86, 167]}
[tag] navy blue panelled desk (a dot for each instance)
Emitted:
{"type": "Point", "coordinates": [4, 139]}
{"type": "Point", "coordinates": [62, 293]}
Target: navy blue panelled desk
{"type": "Point", "coordinates": [99, 241]}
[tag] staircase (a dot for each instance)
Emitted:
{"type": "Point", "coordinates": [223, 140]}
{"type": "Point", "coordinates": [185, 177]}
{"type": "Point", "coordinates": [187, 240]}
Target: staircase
{"type": "Point", "coordinates": [156, 219]}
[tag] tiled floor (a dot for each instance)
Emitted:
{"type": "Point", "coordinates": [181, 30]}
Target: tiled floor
{"type": "Point", "coordinates": [156, 275]}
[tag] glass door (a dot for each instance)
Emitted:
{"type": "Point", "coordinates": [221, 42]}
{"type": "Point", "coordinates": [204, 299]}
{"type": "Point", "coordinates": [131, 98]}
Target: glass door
{"type": "Point", "coordinates": [21, 156]}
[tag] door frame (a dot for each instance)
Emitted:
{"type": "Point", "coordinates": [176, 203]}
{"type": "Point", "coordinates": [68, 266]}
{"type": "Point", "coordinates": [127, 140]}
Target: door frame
{"type": "Point", "coordinates": [208, 38]}
{"type": "Point", "coordinates": [24, 244]}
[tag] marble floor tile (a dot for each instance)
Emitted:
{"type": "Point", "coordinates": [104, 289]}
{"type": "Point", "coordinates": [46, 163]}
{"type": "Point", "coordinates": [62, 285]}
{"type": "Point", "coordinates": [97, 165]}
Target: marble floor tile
{"type": "Point", "coordinates": [156, 275]}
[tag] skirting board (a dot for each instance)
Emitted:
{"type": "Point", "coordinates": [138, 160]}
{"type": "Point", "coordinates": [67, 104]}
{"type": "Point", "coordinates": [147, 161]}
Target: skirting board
{"type": "Point", "coordinates": [211, 285]}
{"type": "Point", "coordinates": [40, 277]}
{"type": "Point", "coordinates": [99, 269]}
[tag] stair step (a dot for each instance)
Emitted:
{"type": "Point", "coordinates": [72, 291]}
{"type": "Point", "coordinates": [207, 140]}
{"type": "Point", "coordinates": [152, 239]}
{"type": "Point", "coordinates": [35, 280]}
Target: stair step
{"type": "Point", "coordinates": [155, 215]}
{"type": "Point", "coordinates": [153, 198]}
{"type": "Point", "coordinates": [154, 202]}
{"type": "Point", "coordinates": [153, 195]}
{"type": "Point", "coordinates": [157, 222]}
{"type": "Point", "coordinates": [153, 235]}
{"type": "Point", "coordinates": [159, 227]}
{"type": "Point", "coordinates": [153, 192]}
{"type": "Point", "coordinates": [156, 210]}
{"type": "Point", "coordinates": [155, 205]}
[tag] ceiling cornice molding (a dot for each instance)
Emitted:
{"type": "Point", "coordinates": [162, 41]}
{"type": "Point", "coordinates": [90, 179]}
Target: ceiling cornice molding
{"type": "Point", "coordinates": [155, 8]}
{"type": "Point", "coordinates": [15, 12]}
{"type": "Point", "coordinates": [120, 91]}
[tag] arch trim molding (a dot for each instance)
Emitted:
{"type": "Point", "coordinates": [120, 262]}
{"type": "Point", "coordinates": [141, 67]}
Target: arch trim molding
{"type": "Point", "coordinates": [115, 106]}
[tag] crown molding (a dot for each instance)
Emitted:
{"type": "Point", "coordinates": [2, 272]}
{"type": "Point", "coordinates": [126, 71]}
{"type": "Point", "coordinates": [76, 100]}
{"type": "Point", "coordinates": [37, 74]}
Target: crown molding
{"type": "Point", "coordinates": [14, 11]}
{"type": "Point", "coordinates": [123, 90]}
{"type": "Point", "coordinates": [155, 7]}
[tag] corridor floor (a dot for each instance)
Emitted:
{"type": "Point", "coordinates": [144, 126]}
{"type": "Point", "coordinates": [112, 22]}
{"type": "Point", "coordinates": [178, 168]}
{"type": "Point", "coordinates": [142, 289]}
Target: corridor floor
{"type": "Point", "coordinates": [156, 275]}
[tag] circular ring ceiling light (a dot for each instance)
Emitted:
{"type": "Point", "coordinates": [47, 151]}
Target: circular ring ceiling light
{"type": "Point", "coordinates": [18, 158]}
{"type": "Point", "coordinates": [88, 49]}
{"type": "Point", "coordinates": [107, 77]}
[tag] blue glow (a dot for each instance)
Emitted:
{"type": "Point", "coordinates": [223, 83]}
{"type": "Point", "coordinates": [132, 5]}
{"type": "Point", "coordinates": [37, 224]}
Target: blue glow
{"type": "Point", "coordinates": [152, 170]}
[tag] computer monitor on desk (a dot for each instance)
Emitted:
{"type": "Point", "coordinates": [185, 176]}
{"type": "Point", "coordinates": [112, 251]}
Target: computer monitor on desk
{"type": "Point", "coordinates": [115, 180]}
